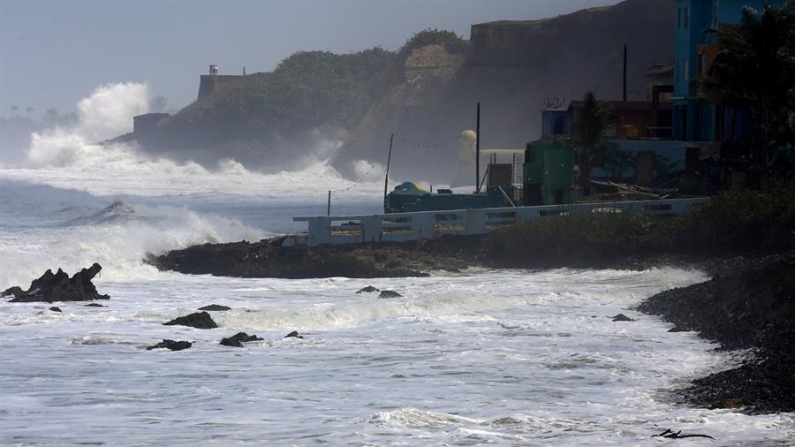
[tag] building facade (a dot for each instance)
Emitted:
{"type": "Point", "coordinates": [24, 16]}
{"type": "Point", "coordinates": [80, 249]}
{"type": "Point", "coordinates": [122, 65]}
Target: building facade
{"type": "Point", "coordinates": [697, 117]}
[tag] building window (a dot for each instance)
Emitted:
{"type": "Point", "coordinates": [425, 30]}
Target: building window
{"type": "Point", "coordinates": [686, 71]}
{"type": "Point", "coordinates": [687, 17]}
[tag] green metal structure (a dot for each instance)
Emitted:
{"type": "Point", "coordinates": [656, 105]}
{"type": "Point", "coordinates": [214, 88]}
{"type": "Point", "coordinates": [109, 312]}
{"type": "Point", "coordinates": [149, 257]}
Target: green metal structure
{"type": "Point", "coordinates": [549, 172]}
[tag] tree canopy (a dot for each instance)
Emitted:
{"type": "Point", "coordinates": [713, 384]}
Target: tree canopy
{"type": "Point", "coordinates": [755, 67]}
{"type": "Point", "coordinates": [308, 89]}
{"type": "Point", "coordinates": [592, 121]}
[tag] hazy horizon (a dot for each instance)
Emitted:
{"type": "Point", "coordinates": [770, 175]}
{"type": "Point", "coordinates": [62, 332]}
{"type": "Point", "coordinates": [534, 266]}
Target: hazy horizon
{"type": "Point", "coordinates": [55, 53]}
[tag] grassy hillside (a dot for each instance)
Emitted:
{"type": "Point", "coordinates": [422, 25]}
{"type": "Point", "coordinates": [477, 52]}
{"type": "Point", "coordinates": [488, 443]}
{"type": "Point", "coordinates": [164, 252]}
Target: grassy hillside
{"type": "Point", "coordinates": [259, 116]}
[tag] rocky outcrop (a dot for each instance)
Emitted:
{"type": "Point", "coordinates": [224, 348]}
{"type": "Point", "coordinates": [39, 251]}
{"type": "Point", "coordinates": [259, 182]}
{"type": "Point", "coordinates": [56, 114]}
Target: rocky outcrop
{"type": "Point", "coordinates": [389, 294]}
{"type": "Point", "coordinates": [751, 305]}
{"type": "Point", "coordinates": [238, 339]}
{"type": "Point", "coordinates": [199, 320]}
{"type": "Point", "coordinates": [215, 308]}
{"type": "Point", "coordinates": [294, 334]}
{"type": "Point", "coordinates": [268, 258]}
{"type": "Point", "coordinates": [59, 286]}
{"type": "Point", "coordinates": [171, 344]}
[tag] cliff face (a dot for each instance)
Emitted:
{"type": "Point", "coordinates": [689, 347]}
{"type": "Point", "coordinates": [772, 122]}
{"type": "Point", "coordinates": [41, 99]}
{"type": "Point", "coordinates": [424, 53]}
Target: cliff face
{"type": "Point", "coordinates": [427, 93]}
{"type": "Point", "coordinates": [512, 67]}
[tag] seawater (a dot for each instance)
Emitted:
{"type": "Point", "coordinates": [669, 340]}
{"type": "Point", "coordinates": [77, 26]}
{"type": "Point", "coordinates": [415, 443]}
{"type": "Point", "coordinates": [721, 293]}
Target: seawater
{"type": "Point", "coordinates": [497, 357]}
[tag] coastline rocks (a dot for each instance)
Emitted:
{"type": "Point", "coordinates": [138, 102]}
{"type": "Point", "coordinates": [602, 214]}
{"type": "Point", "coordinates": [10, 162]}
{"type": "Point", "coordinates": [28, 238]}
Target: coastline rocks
{"type": "Point", "coordinates": [622, 317]}
{"type": "Point", "coordinates": [751, 306]}
{"type": "Point", "coordinates": [389, 294]}
{"type": "Point", "coordinates": [171, 344]}
{"type": "Point", "coordinates": [59, 287]}
{"type": "Point", "coordinates": [268, 259]}
{"type": "Point", "coordinates": [368, 289]}
{"type": "Point", "coordinates": [215, 308]}
{"type": "Point", "coordinates": [294, 334]}
{"type": "Point", "coordinates": [198, 320]}
{"type": "Point", "coordinates": [238, 339]}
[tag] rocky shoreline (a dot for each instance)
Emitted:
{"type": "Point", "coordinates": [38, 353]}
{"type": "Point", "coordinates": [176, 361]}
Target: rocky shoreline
{"type": "Point", "coordinates": [748, 304]}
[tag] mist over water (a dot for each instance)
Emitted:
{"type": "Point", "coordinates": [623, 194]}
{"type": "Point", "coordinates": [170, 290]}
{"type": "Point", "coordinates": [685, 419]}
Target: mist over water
{"type": "Point", "coordinates": [72, 158]}
{"type": "Point", "coordinates": [61, 198]}
{"type": "Point", "coordinates": [105, 114]}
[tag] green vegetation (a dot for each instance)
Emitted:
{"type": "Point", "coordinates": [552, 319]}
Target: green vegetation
{"type": "Point", "coordinates": [452, 44]}
{"type": "Point", "coordinates": [268, 117]}
{"type": "Point", "coordinates": [744, 219]}
{"type": "Point", "coordinates": [592, 121]}
{"type": "Point", "coordinates": [571, 239]}
{"type": "Point", "coordinates": [732, 222]}
{"type": "Point", "coordinates": [307, 90]}
{"type": "Point", "coordinates": [617, 161]}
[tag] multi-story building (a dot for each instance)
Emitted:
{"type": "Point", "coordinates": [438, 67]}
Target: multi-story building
{"type": "Point", "coordinates": [696, 116]}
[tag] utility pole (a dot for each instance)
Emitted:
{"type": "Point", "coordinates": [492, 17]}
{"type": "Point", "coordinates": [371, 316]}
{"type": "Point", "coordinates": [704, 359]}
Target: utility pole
{"type": "Point", "coordinates": [477, 153]}
{"type": "Point", "coordinates": [388, 160]}
{"type": "Point", "coordinates": [625, 73]}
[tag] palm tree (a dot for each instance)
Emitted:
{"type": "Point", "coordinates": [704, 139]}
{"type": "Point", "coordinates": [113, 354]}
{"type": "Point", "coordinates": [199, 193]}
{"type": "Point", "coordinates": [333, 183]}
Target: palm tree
{"type": "Point", "coordinates": [755, 68]}
{"type": "Point", "coordinates": [593, 120]}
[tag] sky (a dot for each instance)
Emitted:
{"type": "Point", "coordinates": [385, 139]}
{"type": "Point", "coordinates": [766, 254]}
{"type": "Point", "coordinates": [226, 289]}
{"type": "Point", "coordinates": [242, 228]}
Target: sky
{"type": "Point", "coordinates": [55, 52]}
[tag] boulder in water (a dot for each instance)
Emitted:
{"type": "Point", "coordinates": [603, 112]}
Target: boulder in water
{"type": "Point", "coordinates": [199, 320]}
{"type": "Point", "coordinates": [293, 334]}
{"type": "Point", "coordinates": [238, 339]}
{"type": "Point", "coordinates": [389, 294]}
{"type": "Point", "coordinates": [59, 287]}
{"type": "Point", "coordinates": [368, 289]}
{"type": "Point", "coordinates": [622, 317]}
{"type": "Point", "coordinates": [172, 345]}
{"type": "Point", "coordinates": [215, 308]}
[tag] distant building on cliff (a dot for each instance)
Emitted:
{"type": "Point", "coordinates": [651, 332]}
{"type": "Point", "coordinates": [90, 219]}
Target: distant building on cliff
{"type": "Point", "coordinates": [696, 117]}
{"type": "Point", "coordinates": [209, 83]}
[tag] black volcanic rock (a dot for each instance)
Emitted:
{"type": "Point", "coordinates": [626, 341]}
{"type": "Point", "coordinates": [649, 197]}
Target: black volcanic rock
{"type": "Point", "coordinates": [56, 309]}
{"type": "Point", "coordinates": [172, 345]}
{"type": "Point", "coordinates": [368, 289]}
{"type": "Point", "coordinates": [268, 259]}
{"type": "Point", "coordinates": [751, 305]}
{"type": "Point", "coordinates": [238, 339]}
{"type": "Point", "coordinates": [59, 287]}
{"type": "Point", "coordinates": [294, 334]}
{"type": "Point", "coordinates": [215, 308]}
{"type": "Point", "coordinates": [198, 320]}
{"type": "Point", "coordinates": [622, 317]}
{"type": "Point", "coordinates": [389, 294]}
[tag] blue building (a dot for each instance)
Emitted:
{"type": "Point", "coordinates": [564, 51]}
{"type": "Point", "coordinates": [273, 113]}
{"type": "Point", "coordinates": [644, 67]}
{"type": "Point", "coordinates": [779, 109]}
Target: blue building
{"type": "Point", "coordinates": [696, 117]}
